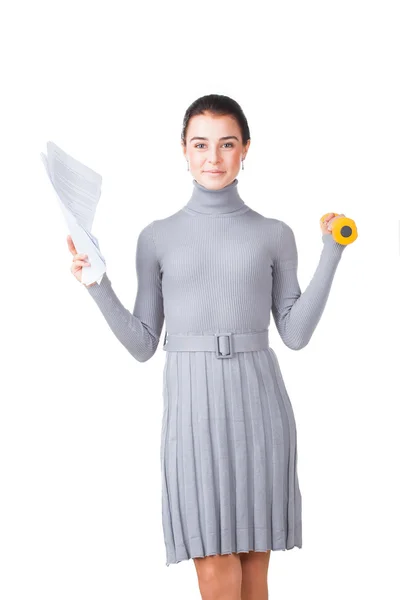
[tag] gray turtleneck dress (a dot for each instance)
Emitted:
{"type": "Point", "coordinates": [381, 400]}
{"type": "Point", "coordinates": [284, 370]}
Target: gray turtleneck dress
{"type": "Point", "coordinates": [228, 436]}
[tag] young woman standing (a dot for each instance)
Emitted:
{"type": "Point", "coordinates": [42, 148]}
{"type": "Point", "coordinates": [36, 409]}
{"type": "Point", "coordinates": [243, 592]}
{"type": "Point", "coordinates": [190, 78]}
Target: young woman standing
{"type": "Point", "coordinates": [214, 271]}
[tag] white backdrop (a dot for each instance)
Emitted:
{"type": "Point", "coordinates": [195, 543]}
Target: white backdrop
{"type": "Point", "coordinates": [80, 422]}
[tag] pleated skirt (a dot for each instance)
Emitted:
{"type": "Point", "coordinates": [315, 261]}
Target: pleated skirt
{"type": "Point", "coordinates": [228, 456]}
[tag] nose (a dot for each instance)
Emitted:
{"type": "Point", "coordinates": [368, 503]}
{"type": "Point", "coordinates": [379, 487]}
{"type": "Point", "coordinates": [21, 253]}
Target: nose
{"type": "Point", "coordinates": [214, 156]}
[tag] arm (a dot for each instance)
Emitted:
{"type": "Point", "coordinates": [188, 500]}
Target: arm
{"type": "Point", "coordinates": [296, 314]}
{"type": "Point", "coordinates": [140, 330]}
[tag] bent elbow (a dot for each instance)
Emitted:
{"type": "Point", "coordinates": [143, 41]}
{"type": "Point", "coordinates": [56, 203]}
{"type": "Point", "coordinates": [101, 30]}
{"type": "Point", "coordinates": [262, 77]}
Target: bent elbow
{"type": "Point", "coordinates": [146, 350]}
{"type": "Point", "coordinates": [296, 343]}
{"type": "Point", "coordinates": [142, 347]}
{"type": "Point", "coordinates": [143, 357]}
{"type": "Point", "coordinates": [299, 346]}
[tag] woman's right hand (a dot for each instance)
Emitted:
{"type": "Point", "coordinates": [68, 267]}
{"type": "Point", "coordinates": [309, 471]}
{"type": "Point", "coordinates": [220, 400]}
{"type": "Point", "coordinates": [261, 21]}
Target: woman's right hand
{"type": "Point", "coordinates": [78, 262]}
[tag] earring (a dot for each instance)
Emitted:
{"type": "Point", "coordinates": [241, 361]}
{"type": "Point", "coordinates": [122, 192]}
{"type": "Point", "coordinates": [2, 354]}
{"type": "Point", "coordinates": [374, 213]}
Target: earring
{"type": "Point", "coordinates": [242, 165]}
{"type": "Point", "coordinates": [188, 165]}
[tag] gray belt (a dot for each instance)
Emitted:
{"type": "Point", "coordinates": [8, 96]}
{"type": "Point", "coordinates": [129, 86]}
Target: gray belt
{"type": "Point", "coordinates": [223, 344]}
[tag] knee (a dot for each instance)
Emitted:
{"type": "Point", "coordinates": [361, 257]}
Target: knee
{"type": "Point", "coordinates": [255, 564]}
{"type": "Point", "coordinates": [219, 579]}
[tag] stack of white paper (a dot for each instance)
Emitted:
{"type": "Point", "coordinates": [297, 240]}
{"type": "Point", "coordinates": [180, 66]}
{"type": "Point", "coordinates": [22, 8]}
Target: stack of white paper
{"type": "Point", "coordinates": [78, 190]}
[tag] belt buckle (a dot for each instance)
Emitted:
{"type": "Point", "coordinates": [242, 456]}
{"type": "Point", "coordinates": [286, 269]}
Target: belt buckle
{"type": "Point", "coordinates": [217, 349]}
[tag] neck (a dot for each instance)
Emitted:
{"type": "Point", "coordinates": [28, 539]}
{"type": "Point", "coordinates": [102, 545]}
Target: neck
{"type": "Point", "coordinates": [223, 201]}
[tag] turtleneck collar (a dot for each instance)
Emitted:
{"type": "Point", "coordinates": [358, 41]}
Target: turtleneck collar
{"type": "Point", "coordinates": [215, 202]}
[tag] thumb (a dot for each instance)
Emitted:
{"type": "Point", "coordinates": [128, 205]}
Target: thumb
{"type": "Point", "coordinates": [71, 245]}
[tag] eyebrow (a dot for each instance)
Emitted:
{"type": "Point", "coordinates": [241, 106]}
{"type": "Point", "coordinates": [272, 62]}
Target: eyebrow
{"type": "Point", "coordinates": [226, 137]}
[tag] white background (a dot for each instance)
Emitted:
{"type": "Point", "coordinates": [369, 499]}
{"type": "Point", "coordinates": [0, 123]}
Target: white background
{"type": "Point", "coordinates": [80, 502]}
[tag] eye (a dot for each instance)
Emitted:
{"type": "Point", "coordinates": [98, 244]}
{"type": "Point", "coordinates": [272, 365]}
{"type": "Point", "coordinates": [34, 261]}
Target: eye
{"type": "Point", "coordinates": [229, 144]}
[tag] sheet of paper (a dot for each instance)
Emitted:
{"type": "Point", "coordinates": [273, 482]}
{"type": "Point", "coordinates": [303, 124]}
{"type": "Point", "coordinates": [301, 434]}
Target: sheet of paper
{"type": "Point", "coordinates": [78, 189]}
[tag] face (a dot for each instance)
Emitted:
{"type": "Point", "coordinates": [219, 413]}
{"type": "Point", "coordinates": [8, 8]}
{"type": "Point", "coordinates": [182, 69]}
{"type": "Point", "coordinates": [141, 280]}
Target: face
{"type": "Point", "coordinates": [214, 149]}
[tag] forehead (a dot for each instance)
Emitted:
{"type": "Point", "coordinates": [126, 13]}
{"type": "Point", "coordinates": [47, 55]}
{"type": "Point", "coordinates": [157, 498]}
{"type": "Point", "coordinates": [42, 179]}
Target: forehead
{"type": "Point", "coordinates": [209, 125]}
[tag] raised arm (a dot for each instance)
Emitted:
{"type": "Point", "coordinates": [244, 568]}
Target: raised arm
{"type": "Point", "coordinates": [140, 330]}
{"type": "Point", "coordinates": [296, 313]}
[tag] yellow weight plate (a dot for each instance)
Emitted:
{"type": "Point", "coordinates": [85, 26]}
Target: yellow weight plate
{"type": "Point", "coordinates": [344, 231]}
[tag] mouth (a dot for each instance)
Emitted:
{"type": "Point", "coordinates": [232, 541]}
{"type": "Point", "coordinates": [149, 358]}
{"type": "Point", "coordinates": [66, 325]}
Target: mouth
{"type": "Point", "coordinates": [214, 172]}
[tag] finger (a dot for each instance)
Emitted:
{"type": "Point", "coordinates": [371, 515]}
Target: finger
{"type": "Point", "coordinates": [81, 263]}
{"type": "Point", "coordinates": [71, 245]}
{"type": "Point", "coordinates": [325, 224]}
{"type": "Point", "coordinates": [330, 217]}
{"type": "Point", "coordinates": [327, 218]}
{"type": "Point", "coordinates": [330, 224]}
{"type": "Point", "coordinates": [81, 256]}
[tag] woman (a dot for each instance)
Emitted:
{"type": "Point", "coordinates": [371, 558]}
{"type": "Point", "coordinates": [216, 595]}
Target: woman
{"type": "Point", "coordinates": [215, 270]}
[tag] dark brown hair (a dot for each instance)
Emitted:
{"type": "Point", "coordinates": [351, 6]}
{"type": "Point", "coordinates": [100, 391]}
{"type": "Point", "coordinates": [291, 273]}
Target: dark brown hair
{"type": "Point", "coordinates": [216, 104]}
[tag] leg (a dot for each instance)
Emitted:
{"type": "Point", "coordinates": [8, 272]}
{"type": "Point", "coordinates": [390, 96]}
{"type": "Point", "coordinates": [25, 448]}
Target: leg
{"type": "Point", "coordinates": [219, 576]}
{"type": "Point", "coordinates": [254, 575]}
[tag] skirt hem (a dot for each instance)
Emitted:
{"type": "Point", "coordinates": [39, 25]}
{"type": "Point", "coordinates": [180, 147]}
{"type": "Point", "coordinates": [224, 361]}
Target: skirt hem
{"type": "Point", "coordinates": [175, 562]}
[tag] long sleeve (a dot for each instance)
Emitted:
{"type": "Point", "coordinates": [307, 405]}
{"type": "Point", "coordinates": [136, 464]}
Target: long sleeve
{"type": "Point", "coordinates": [140, 330]}
{"type": "Point", "coordinates": [296, 313]}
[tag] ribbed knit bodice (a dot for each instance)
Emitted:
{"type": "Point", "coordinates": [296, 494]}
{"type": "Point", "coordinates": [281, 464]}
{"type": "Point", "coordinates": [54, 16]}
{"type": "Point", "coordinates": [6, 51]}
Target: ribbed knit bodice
{"type": "Point", "coordinates": [214, 266]}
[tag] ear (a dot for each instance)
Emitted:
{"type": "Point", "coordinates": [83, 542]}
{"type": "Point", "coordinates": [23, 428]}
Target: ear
{"type": "Point", "coordinates": [246, 148]}
{"type": "Point", "coordinates": [183, 148]}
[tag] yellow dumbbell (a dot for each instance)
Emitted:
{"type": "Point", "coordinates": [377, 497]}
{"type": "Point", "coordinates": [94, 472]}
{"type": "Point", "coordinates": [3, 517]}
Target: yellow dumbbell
{"type": "Point", "coordinates": [344, 230]}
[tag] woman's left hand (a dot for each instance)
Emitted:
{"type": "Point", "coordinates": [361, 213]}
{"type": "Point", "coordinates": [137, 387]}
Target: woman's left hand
{"type": "Point", "coordinates": [326, 226]}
